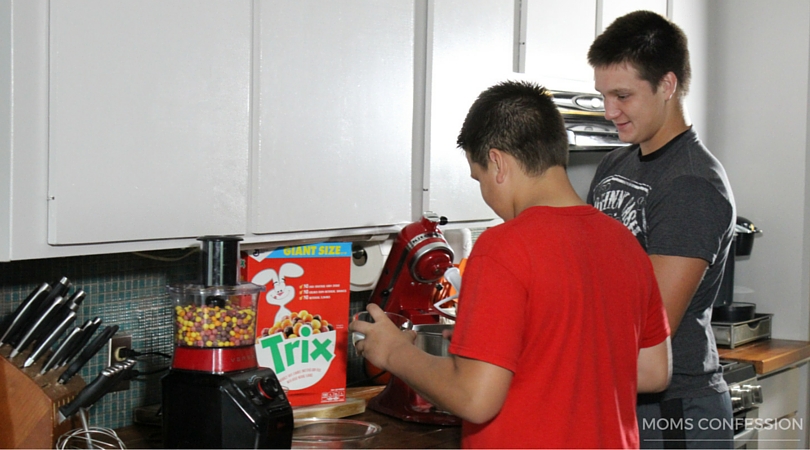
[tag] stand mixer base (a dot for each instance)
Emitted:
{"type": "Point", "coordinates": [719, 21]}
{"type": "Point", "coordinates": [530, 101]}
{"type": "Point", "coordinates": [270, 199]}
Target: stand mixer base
{"type": "Point", "coordinates": [400, 401]}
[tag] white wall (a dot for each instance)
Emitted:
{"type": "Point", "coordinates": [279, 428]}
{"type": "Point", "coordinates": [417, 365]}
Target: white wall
{"type": "Point", "coordinates": [757, 111]}
{"type": "Point", "coordinates": [692, 17]}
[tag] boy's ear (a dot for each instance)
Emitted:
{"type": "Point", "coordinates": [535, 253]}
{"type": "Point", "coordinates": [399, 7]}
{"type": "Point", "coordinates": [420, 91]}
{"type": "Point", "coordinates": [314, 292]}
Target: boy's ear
{"type": "Point", "coordinates": [669, 83]}
{"type": "Point", "coordinates": [494, 157]}
{"type": "Point", "coordinates": [497, 158]}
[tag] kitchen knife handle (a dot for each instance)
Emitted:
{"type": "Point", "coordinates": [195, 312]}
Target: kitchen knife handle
{"type": "Point", "coordinates": [92, 348]}
{"type": "Point", "coordinates": [62, 349]}
{"type": "Point", "coordinates": [40, 323]}
{"type": "Point", "coordinates": [110, 377]}
{"type": "Point", "coordinates": [84, 337]}
{"type": "Point", "coordinates": [71, 303]}
{"type": "Point", "coordinates": [90, 393]}
{"type": "Point", "coordinates": [58, 289]}
{"type": "Point", "coordinates": [76, 299]}
{"type": "Point", "coordinates": [24, 311]}
{"type": "Point", "coordinates": [46, 343]}
{"type": "Point", "coordinates": [9, 318]}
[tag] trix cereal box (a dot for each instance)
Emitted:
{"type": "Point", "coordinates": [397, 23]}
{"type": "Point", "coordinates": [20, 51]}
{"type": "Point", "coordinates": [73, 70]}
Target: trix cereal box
{"type": "Point", "coordinates": [303, 318]}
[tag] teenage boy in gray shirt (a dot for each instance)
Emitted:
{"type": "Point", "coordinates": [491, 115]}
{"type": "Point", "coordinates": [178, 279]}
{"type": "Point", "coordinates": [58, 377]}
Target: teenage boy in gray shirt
{"type": "Point", "coordinates": [675, 197]}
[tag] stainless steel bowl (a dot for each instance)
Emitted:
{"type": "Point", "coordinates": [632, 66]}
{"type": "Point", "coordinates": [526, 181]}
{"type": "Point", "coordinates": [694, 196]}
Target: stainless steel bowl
{"type": "Point", "coordinates": [429, 338]}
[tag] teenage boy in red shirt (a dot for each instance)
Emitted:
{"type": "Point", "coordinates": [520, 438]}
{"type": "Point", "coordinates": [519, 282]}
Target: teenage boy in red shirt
{"type": "Point", "coordinates": [560, 321]}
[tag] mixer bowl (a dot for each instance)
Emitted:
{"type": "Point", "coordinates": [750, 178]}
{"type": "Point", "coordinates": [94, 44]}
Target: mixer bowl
{"type": "Point", "coordinates": [429, 338]}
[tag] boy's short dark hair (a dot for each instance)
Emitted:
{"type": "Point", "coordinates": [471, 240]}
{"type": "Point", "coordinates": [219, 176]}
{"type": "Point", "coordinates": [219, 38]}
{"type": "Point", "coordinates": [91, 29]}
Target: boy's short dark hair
{"type": "Point", "coordinates": [518, 118]}
{"type": "Point", "coordinates": [650, 43]}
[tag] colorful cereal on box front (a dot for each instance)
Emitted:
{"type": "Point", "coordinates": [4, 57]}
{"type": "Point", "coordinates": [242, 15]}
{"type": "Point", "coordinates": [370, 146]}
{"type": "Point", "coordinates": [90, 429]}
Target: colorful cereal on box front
{"type": "Point", "coordinates": [291, 324]}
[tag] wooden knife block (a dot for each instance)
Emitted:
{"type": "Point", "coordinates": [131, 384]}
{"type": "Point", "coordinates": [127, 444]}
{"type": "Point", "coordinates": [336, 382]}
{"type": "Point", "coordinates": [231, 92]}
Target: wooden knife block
{"type": "Point", "coordinates": [29, 403]}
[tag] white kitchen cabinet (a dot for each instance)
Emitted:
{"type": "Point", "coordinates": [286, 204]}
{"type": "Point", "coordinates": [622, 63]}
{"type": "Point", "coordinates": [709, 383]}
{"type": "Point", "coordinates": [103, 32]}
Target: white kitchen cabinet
{"type": "Point", "coordinates": [334, 134]}
{"type": "Point", "coordinates": [471, 45]}
{"type": "Point", "coordinates": [558, 35]}
{"type": "Point", "coordinates": [613, 9]}
{"type": "Point", "coordinates": [24, 143]}
{"type": "Point", "coordinates": [149, 125]}
{"type": "Point", "coordinates": [781, 412]}
{"type": "Point", "coordinates": [135, 125]}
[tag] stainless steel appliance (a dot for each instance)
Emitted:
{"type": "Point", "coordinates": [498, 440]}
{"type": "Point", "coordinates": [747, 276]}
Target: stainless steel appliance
{"type": "Point", "coordinates": [733, 334]}
{"type": "Point", "coordinates": [737, 323]}
{"type": "Point", "coordinates": [584, 116]}
{"type": "Point", "coordinates": [746, 395]}
{"type": "Point", "coordinates": [216, 395]}
{"type": "Point", "coordinates": [741, 245]}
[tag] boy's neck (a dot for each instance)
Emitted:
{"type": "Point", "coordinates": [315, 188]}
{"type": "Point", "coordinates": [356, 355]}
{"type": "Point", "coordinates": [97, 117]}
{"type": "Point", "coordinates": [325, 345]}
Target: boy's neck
{"type": "Point", "coordinates": [677, 121]}
{"type": "Point", "coordinates": [553, 188]}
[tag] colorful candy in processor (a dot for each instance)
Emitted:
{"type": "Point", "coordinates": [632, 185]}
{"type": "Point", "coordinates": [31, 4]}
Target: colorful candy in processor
{"type": "Point", "coordinates": [214, 326]}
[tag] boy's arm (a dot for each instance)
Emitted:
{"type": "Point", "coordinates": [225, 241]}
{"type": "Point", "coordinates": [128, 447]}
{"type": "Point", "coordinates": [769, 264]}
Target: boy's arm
{"type": "Point", "coordinates": [471, 389]}
{"type": "Point", "coordinates": [678, 279]}
{"type": "Point", "coordinates": [655, 367]}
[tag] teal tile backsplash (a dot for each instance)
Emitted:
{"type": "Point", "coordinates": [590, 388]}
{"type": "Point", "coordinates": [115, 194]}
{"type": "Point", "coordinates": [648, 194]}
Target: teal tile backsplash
{"type": "Point", "coordinates": [124, 289]}
{"type": "Point", "coordinates": [128, 290]}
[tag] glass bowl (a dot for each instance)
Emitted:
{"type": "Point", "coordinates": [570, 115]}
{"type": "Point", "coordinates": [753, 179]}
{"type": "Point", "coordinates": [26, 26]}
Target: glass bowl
{"type": "Point", "coordinates": [333, 433]}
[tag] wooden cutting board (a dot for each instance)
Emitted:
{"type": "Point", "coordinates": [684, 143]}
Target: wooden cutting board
{"type": "Point", "coordinates": [355, 403]}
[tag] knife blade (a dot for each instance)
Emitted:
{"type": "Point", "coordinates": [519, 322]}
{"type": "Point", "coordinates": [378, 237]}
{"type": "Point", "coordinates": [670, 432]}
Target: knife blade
{"type": "Point", "coordinates": [28, 338]}
{"type": "Point", "coordinates": [47, 343]}
{"type": "Point", "coordinates": [58, 289]}
{"type": "Point", "coordinates": [89, 351]}
{"type": "Point", "coordinates": [98, 388]}
{"type": "Point", "coordinates": [63, 348]}
{"type": "Point", "coordinates": [24, 311]}
{"type": "Point", "coordinates": [81, 341]}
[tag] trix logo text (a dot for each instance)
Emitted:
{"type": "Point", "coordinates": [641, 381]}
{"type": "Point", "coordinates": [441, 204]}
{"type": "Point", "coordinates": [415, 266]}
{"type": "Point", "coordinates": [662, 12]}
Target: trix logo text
{"type": "Point", "coordinates": [288, 352]}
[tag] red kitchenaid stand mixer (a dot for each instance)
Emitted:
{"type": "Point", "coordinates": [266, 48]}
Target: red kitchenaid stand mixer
{"type": "Point", "coordinates": [419, 257]}
{"type": "Point", "coordinates": [216, 395]}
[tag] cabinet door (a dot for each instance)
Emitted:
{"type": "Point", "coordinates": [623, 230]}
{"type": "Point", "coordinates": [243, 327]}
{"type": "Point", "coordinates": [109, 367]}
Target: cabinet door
{"type": "Point", "coordinates": [472, 48]}
{"type": "Point", "coordinates": [613, 9]}
{"type": "Point", "coordinates": [149, 119]}
{"type": "Point", "coordinates": [781, 408]}
{"type": "Point", "coordinates": [335, 115]}
{"type": "Point", "coordinates": [558, 36]}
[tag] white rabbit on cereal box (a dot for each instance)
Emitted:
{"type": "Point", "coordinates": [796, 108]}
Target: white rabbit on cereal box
{"type": "Point", "coordinates": [280, 293]}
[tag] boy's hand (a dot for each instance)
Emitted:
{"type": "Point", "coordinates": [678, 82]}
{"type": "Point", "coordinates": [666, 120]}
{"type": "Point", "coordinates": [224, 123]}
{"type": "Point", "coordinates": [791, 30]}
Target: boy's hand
{"type": "Point", "coordinates": [383, 338]}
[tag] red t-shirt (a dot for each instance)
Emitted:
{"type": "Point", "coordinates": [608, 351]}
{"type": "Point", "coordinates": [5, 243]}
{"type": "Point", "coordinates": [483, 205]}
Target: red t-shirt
{"type": "Point", "coordinates": [564, 298]}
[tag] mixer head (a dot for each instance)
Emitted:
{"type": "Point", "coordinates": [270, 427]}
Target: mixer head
{"type": "Point", "coordinates": [418, 259]}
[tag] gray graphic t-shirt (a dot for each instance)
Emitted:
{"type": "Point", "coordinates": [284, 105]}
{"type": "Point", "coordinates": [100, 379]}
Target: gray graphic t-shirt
{"type": "Point", "coordinates": [624, 199]}
{"type": "Point", "coordinates": [677, 202]}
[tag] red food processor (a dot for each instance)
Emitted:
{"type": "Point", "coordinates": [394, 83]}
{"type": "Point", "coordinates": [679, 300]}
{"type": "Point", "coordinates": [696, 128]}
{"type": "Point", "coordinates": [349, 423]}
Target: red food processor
{"type": "Point", "coordinates": [215, 394]}
{"type": "Point", "coordinates": [418, 259]}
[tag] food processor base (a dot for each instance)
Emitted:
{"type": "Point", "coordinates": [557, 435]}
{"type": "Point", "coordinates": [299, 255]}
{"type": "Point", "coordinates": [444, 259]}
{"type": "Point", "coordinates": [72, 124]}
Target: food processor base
{"type": "Point", "coordinates": [244, 409]}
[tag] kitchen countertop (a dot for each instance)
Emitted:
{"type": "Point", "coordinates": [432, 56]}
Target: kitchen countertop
{"type": "Point", "coordinates": [769, 355]}
{"type": "Point", "coordinates": [395, 434]}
